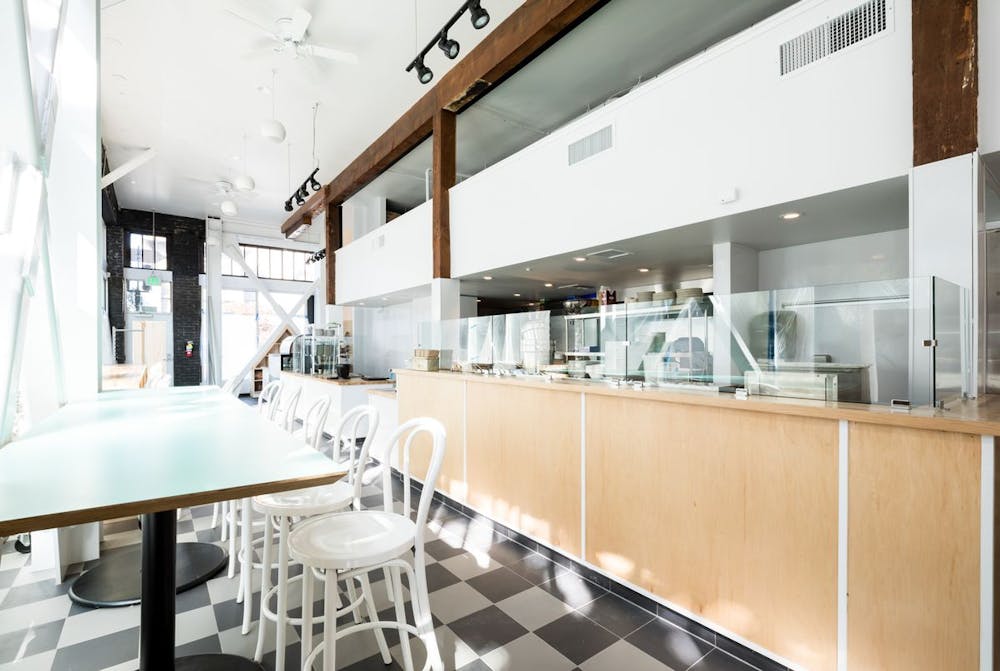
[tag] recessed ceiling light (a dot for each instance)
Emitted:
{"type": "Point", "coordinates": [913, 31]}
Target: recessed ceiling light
{"type": "Point", "coordinates": [517, 295]}
{"type": "Point", "coordinates": [878, 257]}
{"type": "Point", "coordinates": [384, 298]}
{"type": "Point", "coordinates": [579, 258]}
{"type": "Point", "coordinates": [548, 284]}
{"type": "Point", "coordinates": [528, 269]}
{"type": "Point", "coordinates": [120, 77]}
{"type": "Point", "coordinates": [361, 303]}
{"type": "Point", "coordinates": [235, 157]}
{"type": "Point", "coordinates": [643, 270]}
{"type": "Point", "coordinates": [479, 300]}
{"type": "Point", "coordinates": [132, 181]}
{"type": "Point", "coordinates": [487, 277]}
{"type": "Point", "coordinates": [788, 216]}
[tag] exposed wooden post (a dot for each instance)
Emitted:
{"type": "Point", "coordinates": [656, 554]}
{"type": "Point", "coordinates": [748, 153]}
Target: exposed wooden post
{"type": "Point", "coordinates": [334, 240]}
{"type": "Point", "coordinates": [945, 79]}
{"type": "Point", "coordinates": [444, 178]}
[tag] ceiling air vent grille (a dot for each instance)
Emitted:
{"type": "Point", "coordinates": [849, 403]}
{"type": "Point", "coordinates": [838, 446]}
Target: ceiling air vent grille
{"type": "Point", "coordinates": [594, 143]}
{"type": "Point", "coordinates": [850, 28]}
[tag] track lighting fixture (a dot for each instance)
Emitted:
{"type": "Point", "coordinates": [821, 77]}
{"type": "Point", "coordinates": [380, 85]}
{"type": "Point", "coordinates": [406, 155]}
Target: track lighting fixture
{"type": "Point", "coordinates": [299, 200]}
{"type": "Point", "coordinates": [479, 17]}
{"type": "Point", "coordinates": [313, 184]}
{"type": "Point", "coordinates": [448, 46]}
{"type": "Point", "coordinates": [288, 205]}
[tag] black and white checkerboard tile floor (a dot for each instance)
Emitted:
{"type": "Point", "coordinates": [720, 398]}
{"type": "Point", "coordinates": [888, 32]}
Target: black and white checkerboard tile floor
{"type": "Point", "coordinates": [497, 605]}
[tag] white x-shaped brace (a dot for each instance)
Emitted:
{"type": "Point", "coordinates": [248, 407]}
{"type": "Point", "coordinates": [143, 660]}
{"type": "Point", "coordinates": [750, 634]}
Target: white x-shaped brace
{"type": "Point", "coordinates": [233, 252]}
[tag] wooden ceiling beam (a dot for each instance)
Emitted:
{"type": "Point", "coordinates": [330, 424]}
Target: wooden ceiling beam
{"type": "Point", "coordinates": [312, 207]}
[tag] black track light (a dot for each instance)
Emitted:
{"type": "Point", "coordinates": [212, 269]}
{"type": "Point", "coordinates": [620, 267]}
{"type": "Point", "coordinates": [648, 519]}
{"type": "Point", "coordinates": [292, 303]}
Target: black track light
{"type": "Point", "coordinates": [480, 17]}
{"type": "Point", "coordinates": [288, 205]}
{"type": "Point", "coordinates": [448, 46]}
{"type": "Point", "coordinates": [424, 73]}
{"type": "Point", "coordinates": [299, 200]}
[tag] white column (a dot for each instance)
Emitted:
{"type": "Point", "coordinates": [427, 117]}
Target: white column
{"type": "Point", "coordinates": [734, 270]}
{"type": "Point", "coordinates": [213, 296]}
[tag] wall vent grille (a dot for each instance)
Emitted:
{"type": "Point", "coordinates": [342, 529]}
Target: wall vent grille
{"type": "Point", "coordinates": [861, 23]}
{"type": "Point", "coordinates": [594, 143]}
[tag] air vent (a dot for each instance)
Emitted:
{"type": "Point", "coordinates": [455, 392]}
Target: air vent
{"type": "Point", "coordinates": [608, 254]}
{"type": "Point", "coordinates": [594, 143]}
{"type": "Point", "coordinates": [861, 23]}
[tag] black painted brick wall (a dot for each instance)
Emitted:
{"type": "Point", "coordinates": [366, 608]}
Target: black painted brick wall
{"type": "Point", "coordinates": [185, 258]}
{"type": "Point", "coordinates": [116, 285]}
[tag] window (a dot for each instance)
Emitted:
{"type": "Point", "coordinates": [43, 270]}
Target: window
{"type": "Point", "coordinates": [141, 297]}
{"type": "Point", "coordinates": [269, 263]}
{"type": "Point", "coordinates": [147, 251]}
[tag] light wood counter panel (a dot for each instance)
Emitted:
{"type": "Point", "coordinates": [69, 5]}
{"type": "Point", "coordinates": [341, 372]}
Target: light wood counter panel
{"type": "Point", "coordinates": [913, 549]}
{"type": "Point", "coordinates": [979, 416]}
{"type": "Point", "coordinates": [524, 461]}
{"type": "Point", "coordinates": [442, 398]}
{"type": "Point", "coordinates": [731, 515]}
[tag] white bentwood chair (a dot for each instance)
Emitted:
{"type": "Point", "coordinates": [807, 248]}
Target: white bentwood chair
{"type": "Point", "coordinates": [347, 545]}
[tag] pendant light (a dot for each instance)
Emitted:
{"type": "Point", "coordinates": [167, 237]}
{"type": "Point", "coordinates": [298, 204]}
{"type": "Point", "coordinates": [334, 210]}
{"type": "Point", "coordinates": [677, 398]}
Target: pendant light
{"type": "Point", "coordinates": [153, 280]}
{"type": "Point", "coordinates": [244, 182]}
{"type": "Point", "coordinates": [272, 129]}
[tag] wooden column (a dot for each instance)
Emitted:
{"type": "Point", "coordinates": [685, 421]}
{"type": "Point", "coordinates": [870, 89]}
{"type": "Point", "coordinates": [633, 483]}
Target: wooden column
{"type": "Point", "coordinates": [444, 178]}
{"type": "Point", "coordinates": [334, 240]}
{"type": "Point", "coordinates": [945, 79]}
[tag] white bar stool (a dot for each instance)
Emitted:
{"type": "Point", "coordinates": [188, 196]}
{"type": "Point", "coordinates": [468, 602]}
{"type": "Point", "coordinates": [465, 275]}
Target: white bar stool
{"type": "Point", "coordinates": [282, 508]}
{"type": "Point", "coordinates": [352, 544]}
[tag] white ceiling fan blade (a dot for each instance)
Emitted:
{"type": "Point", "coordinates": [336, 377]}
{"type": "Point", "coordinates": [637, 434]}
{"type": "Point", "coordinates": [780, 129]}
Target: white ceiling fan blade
{"type": "Point", "coordinates": [328, 53]}
{"type": "Point", "coordinates": [300, 23]}
{"type": "Point", "coordinates": [255, 21]}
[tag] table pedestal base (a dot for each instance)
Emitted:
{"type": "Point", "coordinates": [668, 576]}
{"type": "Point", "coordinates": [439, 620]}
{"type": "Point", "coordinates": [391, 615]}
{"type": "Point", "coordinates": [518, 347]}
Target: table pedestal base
{"type": "Point", "coordinates": [115, 581]}
{"type": "Point", "coordinates": [216, 662]}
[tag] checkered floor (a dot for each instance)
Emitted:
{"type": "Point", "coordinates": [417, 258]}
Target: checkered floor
{"type": "Point", "coordinates": [497, 606]}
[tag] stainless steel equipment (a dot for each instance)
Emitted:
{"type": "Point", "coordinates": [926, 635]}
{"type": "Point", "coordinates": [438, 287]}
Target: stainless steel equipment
{"type": "Point", "coordinates": [325, 352]}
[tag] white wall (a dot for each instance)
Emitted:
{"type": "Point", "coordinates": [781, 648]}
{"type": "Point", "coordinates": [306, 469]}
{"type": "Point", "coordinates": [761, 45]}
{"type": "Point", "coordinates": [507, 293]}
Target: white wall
{"type": "Point", "coordinates": [384, 337]}
{"type": "Point", "coordinates": [722, 120]}
{"type": "Point", "coordinates": [989, 76]}
{"type": "Point", "coordinates": [393, 257]}
{"type": "Point", "coordinates": [879, 256]}
{"type": "Point", "coordinates": [362, 214]}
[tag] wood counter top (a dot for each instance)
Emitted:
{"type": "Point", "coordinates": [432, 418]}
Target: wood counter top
{"type": "Point", "coordinates": [350, 382]}
{"type": "Point", "coordinates": [979, 416]}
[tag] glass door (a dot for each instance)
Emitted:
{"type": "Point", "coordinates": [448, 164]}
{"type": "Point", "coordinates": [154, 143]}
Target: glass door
{"type": "Point", "coordinates": [149, 342]}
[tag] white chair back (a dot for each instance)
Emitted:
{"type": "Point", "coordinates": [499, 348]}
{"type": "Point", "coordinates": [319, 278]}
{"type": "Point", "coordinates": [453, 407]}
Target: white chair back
{"type": "Point", "coordinates": [288, 404]}
{"type": "Point", "coordinates": [267, 402]}
{"type": "Point", "coordinates": [348, 431]}
{"type": "Point", "coordinates": [404, 436]}
{"type": "Point", "coordinates": [315, 421]}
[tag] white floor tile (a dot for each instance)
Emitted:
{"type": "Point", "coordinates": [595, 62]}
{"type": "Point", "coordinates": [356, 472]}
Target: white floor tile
{"type": "Point", "coordinates": [194, 624]}
{"type": "Point", "coordinates": [469, 565]}
{"type": "Point", "coordinates": [534, 608]}
{"type": "Point", "coordinates": [456, 601]}
{"type": "Point", "coordinates": [98, 622]}
{"type": "Point", "coordinates": [39, 612]}
{"type": "Point", "coordinates": [40, 662]}
{"type": "Point", "coordinates": [531, 652]}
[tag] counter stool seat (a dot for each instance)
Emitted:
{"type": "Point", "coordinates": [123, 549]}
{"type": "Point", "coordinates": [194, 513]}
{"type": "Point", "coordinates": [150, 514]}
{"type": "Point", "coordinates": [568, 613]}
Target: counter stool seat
{"type": "Point", "coordinates": [307, 502]}
{"type": "Point", "coordinates": [351, 540]}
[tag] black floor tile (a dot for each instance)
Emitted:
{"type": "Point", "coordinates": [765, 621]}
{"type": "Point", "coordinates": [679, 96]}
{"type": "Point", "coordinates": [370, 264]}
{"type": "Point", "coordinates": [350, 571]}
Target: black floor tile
{"type": "Point", "coordinates": [208, 535]}
{"type": "Point", "coordinates": [716, 660]}
{"type": "Point", "coordinates": [498, 584]}
{"type": "Point", "coordinates": [30, 641]}
{"type": "Point", "coordinates": [373, 663]}
{"type": "Point", "coordinates": [229, 614]}
{"type": "Point", "coordinates": [35, 591]}
{"type": "Point", "coordinates": [669, 644]}
{"type": "Point", "coordinates": [476, 665]}
{"type": "Point", "coordinates": [438, 577]}
{"type": "Point", "coordinates": [99, 653]}
{"type": "Point", "coordinates": [203, 646]}
{"type": "Point", "coordinates": [576, 636]}
{"type": "Point", "coordinates": [572, 589]}
{"type": "Point", "coordinates": [508, 552]}
{"type": "Point", "coordinates": [487, 629]}
{"type": "Point", "coordinates": [752, 657]}
{"type": "Point", "coordinates": [441, 550]}
{"type": "Point", "coordinates": [293, 657]}
{"type": "Point", "coordinates": [616, 614]}
{"type": "Point", "coordinates": [185, 526]}
{"type": "Point", "coordinates": [536, 569]}
{"type": "Point", "coordinates": [196, 597]}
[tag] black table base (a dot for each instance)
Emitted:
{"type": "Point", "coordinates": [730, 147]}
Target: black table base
{"type": "Point", "coordinates": [158, 608]}
{"type": "Point", "coordinates": [115, 580]}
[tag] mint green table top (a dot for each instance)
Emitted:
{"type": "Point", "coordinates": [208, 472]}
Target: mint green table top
{"type": "Point", "coordinates": [141, 451]}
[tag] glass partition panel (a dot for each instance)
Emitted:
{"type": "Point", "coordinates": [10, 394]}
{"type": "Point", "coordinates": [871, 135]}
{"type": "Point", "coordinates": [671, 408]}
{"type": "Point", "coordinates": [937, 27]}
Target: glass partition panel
{"type": "Point", "coordinates": [951, 340]}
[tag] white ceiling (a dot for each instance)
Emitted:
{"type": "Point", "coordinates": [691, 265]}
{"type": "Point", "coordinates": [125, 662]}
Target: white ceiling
{"type": "Point", "coordinates": [182, 77]}
{"type": "Point", "coordinates": [624, 42]}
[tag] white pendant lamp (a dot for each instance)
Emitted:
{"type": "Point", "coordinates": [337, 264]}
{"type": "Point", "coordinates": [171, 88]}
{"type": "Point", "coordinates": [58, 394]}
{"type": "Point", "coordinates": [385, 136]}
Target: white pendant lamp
{"type": "Point", "coordinates": [244, 182]}
{"type": "Point", "coordinates": [272, 129]}
{"type": "Point", "coordinates": [229, 208]}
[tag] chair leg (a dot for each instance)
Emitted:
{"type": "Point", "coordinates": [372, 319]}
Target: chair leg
{"type": "Point", "coordinates": [307, 612]}
{"type": "Point", "coordinates": [352, 594]}
{"type": "Point", "coordinates": [223, 511]}
{"type": "Point", "coordinates": [383, 647]}
{"type": "Point", "coordinates": [421, 603]}
{"type": "Point", "coordinates": [282, 611]}
{"type": "Point", "coordinates": [246, 570]}
{"type": "Point", "coordinates": [234, 509]}
{"type": "Point", "coordinates": [331, 604]}
{"type": "Point", "coordinates": [404, 636]}
{"type": "Point", "coordinates": [265, 585]}
{"type": "Point", "coordinates": [388, 585]}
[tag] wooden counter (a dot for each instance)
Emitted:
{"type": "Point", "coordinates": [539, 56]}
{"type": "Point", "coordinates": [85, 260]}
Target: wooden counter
{"type": "Point", "coordinates": [757, 517]}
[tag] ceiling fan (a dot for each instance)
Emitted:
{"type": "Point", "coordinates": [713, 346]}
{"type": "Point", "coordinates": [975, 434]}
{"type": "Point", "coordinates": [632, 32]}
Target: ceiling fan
{"type": "Point", "coordinates": [288, 34]}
